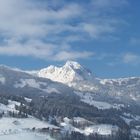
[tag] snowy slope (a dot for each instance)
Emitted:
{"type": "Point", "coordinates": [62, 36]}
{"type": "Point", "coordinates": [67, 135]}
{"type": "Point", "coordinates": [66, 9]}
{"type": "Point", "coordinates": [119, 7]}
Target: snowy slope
{"type": "Point", "coordinates": [13, 81]}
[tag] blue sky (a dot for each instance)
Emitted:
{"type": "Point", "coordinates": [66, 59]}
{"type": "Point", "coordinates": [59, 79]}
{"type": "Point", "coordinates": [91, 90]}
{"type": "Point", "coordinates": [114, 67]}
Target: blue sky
{"type": "Point", "coordinates": [103, 35]}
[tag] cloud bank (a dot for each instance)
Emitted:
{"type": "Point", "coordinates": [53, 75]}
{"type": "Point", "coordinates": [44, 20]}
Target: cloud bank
{"type": "Point", "coordinates": [46, 29]}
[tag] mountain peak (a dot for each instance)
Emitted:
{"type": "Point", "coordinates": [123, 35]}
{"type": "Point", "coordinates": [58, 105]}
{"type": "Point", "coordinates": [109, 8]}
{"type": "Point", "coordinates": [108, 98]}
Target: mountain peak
{"type": "Point", "coordinates": [71, 71]}
{"type": "Point", "coordinates": [73, 64]}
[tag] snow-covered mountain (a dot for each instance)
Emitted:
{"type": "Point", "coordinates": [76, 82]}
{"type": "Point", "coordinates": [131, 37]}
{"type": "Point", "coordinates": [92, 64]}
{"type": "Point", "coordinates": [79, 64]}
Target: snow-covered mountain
{"type": "Point", "coordinates": [70, 72]}
{"type": "Point", "coordinates": [81, 79]}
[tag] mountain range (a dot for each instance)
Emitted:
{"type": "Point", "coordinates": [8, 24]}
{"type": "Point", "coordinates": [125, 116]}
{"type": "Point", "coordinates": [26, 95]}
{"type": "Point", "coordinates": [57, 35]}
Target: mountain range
{"type": "Point", "coordinates": [73, 91]}
{"type": "Point", "coordinates": [81, 79]}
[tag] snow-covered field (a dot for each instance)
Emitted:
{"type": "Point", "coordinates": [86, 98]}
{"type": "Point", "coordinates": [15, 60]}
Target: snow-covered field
{"type": "Point", "coordinates": [20, 124]}
{"type": "Point", "coordinates": [16, 129]}
{"type": "Point", "coordinates": [87, 98]}
{"type": "Point", "coordinates": [23, 136]}
{"type": "Point", "coordinates": [102, 129]}
{"type": "Point", "coordinates": [9, 107]}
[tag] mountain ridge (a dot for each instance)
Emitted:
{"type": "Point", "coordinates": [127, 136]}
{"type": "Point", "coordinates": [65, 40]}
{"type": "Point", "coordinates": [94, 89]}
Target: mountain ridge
{"type": "Point", "coordinates": [77, 78]}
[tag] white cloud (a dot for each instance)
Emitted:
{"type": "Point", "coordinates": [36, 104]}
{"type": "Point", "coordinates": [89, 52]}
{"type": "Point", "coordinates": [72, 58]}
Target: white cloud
{"type": "Point", "coordinates": [42, 50]}
{"type": "Point", "coordinates": [32, 48]}
{"type": "Point", "coordinates": [114, 59]}
{"type": "Point", "coordinates": [98, 30]}
{"type": "Point", "coordinates": [69, 55]}
{"type": "Point", "coordinates": [27, 25]}
{"type": "Point", "coordinates": [22, 18]}
{"type": "Point", "coordinates": [131, 58]}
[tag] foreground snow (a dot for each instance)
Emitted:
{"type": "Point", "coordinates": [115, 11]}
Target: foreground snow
{"type": "Point", "coordinates": [16, 129]}
{"type": "Point", "coordinates": [9, 123]}
{"type": "Point", "coordinates": [27, 136]}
